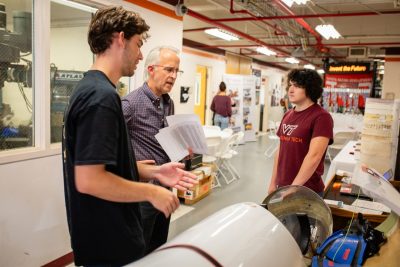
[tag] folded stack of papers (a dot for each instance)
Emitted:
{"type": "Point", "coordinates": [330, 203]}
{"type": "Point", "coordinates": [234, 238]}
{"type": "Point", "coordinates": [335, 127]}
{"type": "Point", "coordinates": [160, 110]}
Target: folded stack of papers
{"type": "Point", "coordinates": [184, 133]}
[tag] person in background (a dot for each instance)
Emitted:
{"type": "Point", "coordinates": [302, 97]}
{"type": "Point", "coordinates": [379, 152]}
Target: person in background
{"type": "Point", "coordinates": [305, 132]}
{"type": "Point", "coordinates": [100, 173]}
{"type": "Point", "coordinates": [286, 103]}
{"type": "Point", "coordinates": [221, 105]}
{"type": "Point", "coordinates": [145, 111]}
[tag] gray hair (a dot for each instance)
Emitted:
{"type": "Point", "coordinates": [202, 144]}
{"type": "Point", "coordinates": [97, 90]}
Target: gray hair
{"type": "Point", "coordinates": [154, 56]}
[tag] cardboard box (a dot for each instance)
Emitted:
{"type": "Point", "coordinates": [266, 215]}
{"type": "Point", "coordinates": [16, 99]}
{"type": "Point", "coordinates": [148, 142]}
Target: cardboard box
{"type": "Point", "coordinates": [206, 170]}
{"type": "Point", "coordinates": [211, 165]}
{"type": "Point", "coordinates": [199, 191]}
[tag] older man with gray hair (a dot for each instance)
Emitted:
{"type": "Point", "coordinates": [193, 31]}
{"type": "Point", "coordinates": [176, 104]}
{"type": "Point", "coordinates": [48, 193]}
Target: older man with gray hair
{"type": "Point", "coordinates": [145, 110]}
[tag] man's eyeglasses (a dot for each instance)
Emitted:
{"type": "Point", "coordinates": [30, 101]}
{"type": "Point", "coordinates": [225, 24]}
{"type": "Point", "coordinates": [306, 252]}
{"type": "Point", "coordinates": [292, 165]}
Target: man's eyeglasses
{"type": "Point", "coordinates": [170, 70]}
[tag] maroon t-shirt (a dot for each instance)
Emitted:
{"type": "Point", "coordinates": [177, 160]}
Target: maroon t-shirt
{"type": "Point", "coordinates": [295, 132]}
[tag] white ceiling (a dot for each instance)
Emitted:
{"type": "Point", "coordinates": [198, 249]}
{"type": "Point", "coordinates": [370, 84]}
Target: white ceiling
{"type": "Point", "coordinates": [290, 37]}
{"type": "Point", "coordinates": [287, 36]}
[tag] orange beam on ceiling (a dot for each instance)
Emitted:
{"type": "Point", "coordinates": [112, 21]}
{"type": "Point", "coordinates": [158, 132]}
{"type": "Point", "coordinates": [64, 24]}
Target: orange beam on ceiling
{"type": "Point", "coordinates": [392, 59]}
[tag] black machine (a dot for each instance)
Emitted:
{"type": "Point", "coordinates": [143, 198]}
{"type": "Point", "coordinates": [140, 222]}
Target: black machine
{"type": "Point", "coordinates": [350, 246]}
{"type": "Point", "coordinates": [193, 162]}
{"type": "Point", "coordinates": [14, 46]}
{"type": "Point", "coordinates": [62, 83]}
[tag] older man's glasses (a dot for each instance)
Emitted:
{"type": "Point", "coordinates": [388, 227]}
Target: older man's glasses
{"type": "Point", "coordinates": [170, 70]}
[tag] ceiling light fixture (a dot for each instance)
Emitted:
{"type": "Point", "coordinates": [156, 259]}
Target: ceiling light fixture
{"type": "Point", "coordinates": [221, 34]}
{"type": "Point", "coordinates": [289, 3]}
{"type": "Point", "coordinates": [320, 71]}
{"type": "Point", "coordinates": [309, 66]}
{"type": "Point", "coordinates": [264, 50]}
{"type": "Point", "coordinates": [292, 60]}
{"type": "Point", "coordinates": [328, 31]}
{"type": "Point", "coordinates": [76, 5]}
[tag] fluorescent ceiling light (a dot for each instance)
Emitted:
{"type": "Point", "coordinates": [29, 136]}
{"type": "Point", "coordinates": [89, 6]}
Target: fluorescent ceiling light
{"type": "Point", "coordinates": [222, 34]}
{"type": "Point", "coordinates": [289, 3]}
{"type": "Point", "coordinates": [76, 5]}
{"type": "Point", "coordinates": [328, 31]}
{"type": "Point", "coordinates": [320, 71]}
{"type": "Point", "coordinates": [292, 60]}
{"type": "Point", "coordinates": [265, 51]}
{"type": "Point", "coordinates": [309, 66]}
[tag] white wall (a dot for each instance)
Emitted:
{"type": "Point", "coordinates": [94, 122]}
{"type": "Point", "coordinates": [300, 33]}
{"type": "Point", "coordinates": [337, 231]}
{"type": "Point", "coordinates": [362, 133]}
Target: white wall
{"type": "Point", "coordinates": [33, 226]}
{"type": "Point", "coordinates": [391, 79]}
{"type": "Point", "coordinates": [69, 49]}
{"type": "Point", "coordinates": [215, 68]}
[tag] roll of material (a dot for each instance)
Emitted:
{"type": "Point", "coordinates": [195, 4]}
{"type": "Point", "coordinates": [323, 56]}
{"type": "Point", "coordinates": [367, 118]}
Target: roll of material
{"type": "Point", "coordinates": [243, 234]}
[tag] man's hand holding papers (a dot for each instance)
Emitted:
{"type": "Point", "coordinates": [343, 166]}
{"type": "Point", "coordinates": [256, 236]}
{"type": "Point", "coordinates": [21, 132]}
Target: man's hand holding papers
{"type": "Point", "coordinates": [184, 131]}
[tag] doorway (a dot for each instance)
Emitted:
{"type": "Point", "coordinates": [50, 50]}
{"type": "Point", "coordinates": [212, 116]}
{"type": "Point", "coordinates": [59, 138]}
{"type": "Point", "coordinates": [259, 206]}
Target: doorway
{"type": "Point", "coordinates": [200, 89]}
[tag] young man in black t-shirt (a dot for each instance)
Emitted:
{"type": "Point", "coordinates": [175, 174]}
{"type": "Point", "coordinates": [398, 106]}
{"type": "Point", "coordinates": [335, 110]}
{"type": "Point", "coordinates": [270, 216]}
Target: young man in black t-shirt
{"type": "Point", "coordinates": [100, 174]}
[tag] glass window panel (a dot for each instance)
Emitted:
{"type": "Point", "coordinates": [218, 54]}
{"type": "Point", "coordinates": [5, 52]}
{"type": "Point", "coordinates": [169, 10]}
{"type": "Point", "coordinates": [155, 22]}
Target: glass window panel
{"type": "Point", "coordinates": [16, 102]}
{"type": "Point", "coordinates": [70, 56]}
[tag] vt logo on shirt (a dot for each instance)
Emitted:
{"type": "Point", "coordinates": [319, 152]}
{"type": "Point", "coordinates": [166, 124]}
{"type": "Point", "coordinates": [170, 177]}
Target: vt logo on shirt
{"type": "Point", "coordinates": [288, 129]}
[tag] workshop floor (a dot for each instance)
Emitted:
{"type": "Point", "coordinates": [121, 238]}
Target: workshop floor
{"type": "Point", "coordinates": [255, 171]}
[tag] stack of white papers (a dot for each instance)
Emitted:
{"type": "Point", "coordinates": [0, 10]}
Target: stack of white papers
{"type": "Point", "coordinates": [371, 205]}
{"type": "Point", "coordinates": [356, 209]}
{"type": "Point", "coordinates": [184, 132]}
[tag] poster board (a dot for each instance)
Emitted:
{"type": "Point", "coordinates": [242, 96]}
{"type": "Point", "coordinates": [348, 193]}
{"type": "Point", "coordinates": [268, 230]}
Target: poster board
{"type": "Point", "coordinates": [380, 134]}
{"type": "Point", "coordinates": [244, 112]}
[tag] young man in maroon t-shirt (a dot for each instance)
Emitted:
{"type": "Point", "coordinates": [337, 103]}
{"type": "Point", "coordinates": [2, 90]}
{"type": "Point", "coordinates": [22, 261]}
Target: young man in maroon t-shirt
{"type": "Point", "coordinates": [305, 133]}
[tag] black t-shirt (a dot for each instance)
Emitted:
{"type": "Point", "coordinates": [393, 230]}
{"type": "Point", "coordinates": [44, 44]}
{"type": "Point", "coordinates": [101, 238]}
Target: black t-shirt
{"type": "Point", "coordinates": [102, 232]}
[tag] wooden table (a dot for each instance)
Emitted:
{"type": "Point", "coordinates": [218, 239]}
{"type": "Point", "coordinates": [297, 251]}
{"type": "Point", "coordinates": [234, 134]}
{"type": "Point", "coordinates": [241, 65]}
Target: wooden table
{"type": "Point", "coordinates": [390, 251]}
{"type": "Point", "coordinates": [341, 217]}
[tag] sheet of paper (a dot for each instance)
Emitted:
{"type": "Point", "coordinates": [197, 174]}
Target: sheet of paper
{"type": "Point", "coordinates": [370, 205]}
{"type": "Point", "coordinates": [184, 132]}
{"type": "Point", "coordinates": [193, 136]}
{"type": "Point", "coordinates": [182, 118]}
{"type": "Point", "coordinates": [360, 210]}
{"type": "Point", "coordinates": [171, 144]}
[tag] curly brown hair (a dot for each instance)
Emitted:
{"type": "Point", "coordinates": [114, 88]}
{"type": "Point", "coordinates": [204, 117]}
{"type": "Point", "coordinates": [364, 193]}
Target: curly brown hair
{"type": "Point", "coordinates": [308, 80]}
{"type": "Point", "coordinates": [110, 20]}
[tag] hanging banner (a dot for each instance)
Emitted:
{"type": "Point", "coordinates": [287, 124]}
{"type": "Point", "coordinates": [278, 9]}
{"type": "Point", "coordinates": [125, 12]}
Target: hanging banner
{"type": "Point", "coordinates": [348, 67]}
{"type": "Point", "coordinates": [349, 81]}
{"type": "Point", "coordinates": [346, 92]}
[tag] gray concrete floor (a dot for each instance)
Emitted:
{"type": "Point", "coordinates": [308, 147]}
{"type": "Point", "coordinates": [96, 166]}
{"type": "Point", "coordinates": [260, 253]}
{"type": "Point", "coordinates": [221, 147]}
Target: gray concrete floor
{"type": "Point", "coordinates": [255, 170]}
